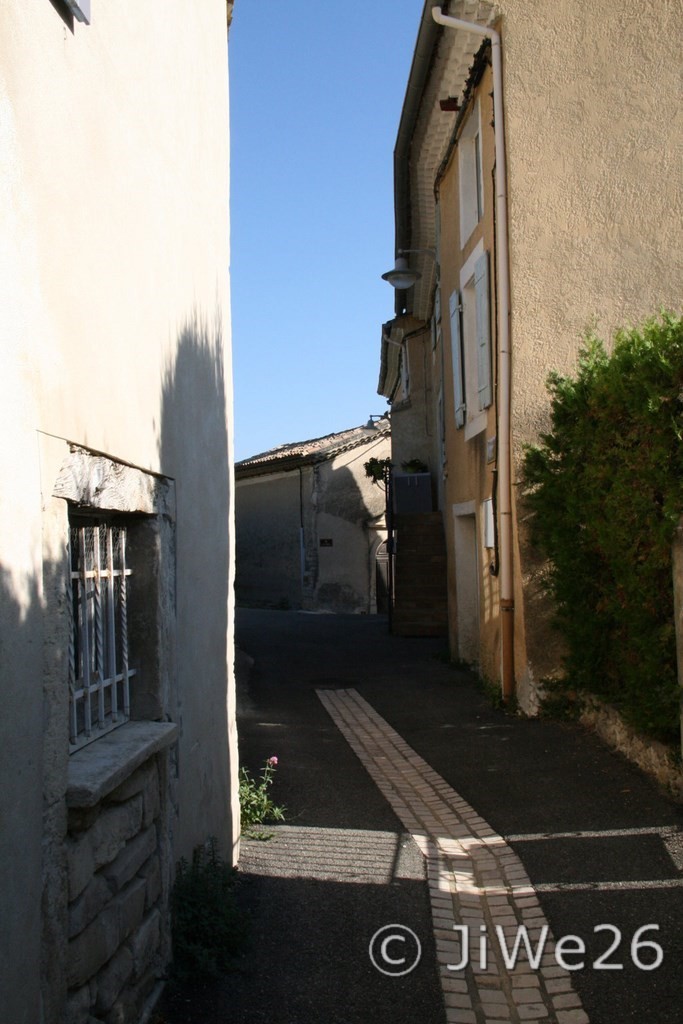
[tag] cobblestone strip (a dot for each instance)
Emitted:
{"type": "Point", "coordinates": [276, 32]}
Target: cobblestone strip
{"type": "Point", "coordinates": [477, 884]}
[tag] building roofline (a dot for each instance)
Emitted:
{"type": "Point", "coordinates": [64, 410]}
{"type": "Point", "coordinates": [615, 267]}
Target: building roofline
{"type": "Point", "coordinates": [420, 68]}
{"type": "Point", "coordinates": [449, 57]}
{"type": "Point", "coordinates": [290, 457]}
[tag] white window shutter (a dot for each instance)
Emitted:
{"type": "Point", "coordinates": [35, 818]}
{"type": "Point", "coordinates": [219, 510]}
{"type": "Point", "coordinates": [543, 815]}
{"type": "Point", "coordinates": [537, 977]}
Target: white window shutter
{"type": "Point", "coordinates": [456, 353]}
{"type": "Point", "coordinates": [481, 288]}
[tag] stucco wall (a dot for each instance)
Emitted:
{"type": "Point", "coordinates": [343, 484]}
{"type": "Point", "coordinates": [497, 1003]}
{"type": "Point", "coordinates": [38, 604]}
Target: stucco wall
{"type": "Point", "coordinates": [594, 126]}
{"type": "Point", "coordinates": [115, 335]}
{"type": "Point", "coordinates": [347, 503]}
{"type": "Point", "coordinates": [411, 426]}
{"type": "Point", "coordinates": [268, 522]}
{"type": "Point", "coordinates": [594, 131]}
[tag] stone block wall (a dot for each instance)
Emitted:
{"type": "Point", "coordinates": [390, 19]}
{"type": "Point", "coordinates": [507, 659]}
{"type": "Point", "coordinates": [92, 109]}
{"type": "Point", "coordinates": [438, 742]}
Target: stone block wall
{"type": "Point", "coordinates": [118, 900]}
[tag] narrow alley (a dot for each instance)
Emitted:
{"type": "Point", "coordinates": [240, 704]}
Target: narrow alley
{"type": "Point", "coordinates": [419, 816]}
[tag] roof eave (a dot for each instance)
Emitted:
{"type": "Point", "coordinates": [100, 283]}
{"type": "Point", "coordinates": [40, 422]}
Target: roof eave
{"type": "Point", "coordinates": [423, 56]}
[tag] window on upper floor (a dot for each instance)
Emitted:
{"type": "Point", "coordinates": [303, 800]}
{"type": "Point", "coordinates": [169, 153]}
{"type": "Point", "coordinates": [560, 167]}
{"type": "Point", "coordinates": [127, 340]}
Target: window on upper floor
{"type": "Point", "coordinates": [470, 176]}
{"type": "Point", "coordinates": [469, 312]}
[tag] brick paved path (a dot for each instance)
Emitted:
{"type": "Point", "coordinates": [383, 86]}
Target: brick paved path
{"type": "Point", "coordinates": [476, 883]}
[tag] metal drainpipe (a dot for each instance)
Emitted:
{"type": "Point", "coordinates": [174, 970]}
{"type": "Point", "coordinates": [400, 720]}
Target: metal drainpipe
{"type": "Point", "coordinates": [507, 606]}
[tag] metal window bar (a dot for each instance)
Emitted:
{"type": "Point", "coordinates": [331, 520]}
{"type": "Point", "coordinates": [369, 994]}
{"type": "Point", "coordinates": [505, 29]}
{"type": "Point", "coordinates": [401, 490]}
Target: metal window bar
{"type": "Point", "coordinates": [98, 657]}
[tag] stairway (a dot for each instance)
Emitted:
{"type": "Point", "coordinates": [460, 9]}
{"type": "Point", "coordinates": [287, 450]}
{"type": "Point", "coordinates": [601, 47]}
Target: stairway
{"type": "Point", "coordinates": [420, 593]}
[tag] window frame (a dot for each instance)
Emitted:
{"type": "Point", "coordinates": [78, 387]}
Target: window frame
{"type": "Point", "coordinates": [99, 671]}
{"type": "Point", "coordinates": [471, 344]}
{"type": "Point", "coordinates": [470, 175]}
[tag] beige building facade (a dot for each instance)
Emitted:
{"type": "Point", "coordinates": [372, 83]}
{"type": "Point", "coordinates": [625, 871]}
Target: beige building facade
{"type": "Point", "coordinates": [116, 543]}
{"type": "Point", "coordinates": [311, 526]}
{"type": "Point", "coordinates": [535, 200]}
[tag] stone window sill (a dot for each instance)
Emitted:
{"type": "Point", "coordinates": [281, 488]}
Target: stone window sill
{"type": "Point", "coordinates": [97, 770]}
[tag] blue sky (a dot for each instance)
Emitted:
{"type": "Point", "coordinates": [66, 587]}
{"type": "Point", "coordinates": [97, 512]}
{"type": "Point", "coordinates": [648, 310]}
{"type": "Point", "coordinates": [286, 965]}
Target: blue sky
{"type": "Point", "coordinates": [316, 96]}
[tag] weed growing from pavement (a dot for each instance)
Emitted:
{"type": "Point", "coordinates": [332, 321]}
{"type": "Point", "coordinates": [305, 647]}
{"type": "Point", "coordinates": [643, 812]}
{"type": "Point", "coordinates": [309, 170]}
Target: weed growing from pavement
{"type": "Point", "coordinates": [208, 927]}
{"type": "Point", "coordinates": [256, 806]}
{"type": "Point", "coordinates": [494, 695]}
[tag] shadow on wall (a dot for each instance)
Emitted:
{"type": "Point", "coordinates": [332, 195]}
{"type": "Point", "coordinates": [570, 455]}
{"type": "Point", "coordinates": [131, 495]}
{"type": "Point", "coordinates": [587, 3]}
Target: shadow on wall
{"type": "Point", "coordinates": [25, 715]}
{"type": "Point", "coordinates": [193, 449]}
{"type": "Point", "coordinates": [326, 508]}
{"type": "Point", "coordinates": [344, 574]}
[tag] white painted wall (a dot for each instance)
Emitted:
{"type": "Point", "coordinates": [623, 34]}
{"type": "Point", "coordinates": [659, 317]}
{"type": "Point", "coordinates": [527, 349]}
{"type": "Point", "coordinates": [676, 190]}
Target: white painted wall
{"type": "Point", "coordinates": [114, 335]}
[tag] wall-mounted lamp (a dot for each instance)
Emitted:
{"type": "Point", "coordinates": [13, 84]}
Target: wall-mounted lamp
{"type": "Point", "coordinates": [402, 276]}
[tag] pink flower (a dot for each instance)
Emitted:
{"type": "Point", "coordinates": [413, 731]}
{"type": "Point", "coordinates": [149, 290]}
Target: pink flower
{"type": "Point", "coordinates": [272, 761]}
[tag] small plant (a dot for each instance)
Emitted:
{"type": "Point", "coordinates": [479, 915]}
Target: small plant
{"type": "Point", "coordinates": [256, 806]}
{"type": "Point", "coordinates": [208, 927]}
{"type": "Point", "coordinates": [415, 466]}
{"type": "Point", "coordinates": [493, 694]}
{"type": "Point", "coordinates": [378, 471]}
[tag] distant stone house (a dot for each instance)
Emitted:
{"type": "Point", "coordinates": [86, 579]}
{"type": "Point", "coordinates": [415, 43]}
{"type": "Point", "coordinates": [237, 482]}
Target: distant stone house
{"type": "Point", "coordinates": [537, 192]}
{"type": "Point", "coordinates": [311, 530]}
{"type": "Point", "coordinates": [117, 728]}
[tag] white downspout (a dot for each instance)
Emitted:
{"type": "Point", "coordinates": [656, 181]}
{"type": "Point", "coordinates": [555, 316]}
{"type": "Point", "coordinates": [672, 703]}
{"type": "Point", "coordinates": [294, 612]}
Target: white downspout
{"type": "Point", "coordinates": [503, 307]}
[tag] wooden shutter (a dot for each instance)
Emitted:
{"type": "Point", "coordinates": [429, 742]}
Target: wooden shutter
{"type": "Point", "coordinates": [481, 288]}
{"type": "Point", "coordinates": [456, 355]}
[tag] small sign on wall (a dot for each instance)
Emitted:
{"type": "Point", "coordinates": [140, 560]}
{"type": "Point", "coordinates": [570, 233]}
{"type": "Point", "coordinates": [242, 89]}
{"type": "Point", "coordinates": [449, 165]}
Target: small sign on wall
{"type": "Point", "coordinates": [326, 542]}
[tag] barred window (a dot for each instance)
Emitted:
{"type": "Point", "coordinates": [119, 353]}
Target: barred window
{"type": "Point", "coordinates": [99, 669]}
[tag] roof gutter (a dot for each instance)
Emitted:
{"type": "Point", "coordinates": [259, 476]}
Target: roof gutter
{"type": "Point", "coordinates": [503, 310]}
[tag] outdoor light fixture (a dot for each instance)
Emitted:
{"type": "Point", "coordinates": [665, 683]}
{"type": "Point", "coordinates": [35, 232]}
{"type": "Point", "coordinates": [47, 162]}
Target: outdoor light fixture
{"type": "Point", "coordinates": [402, 276]}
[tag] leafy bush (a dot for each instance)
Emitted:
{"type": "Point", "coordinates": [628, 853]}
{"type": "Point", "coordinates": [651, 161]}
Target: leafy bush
{"type": "Point", "coordinates": [208, 927]}
{"type": "Point", "coordinates": [605, 489]}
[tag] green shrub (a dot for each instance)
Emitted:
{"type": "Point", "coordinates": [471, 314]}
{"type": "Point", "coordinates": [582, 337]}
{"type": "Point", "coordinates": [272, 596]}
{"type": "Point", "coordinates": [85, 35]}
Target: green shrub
{"type": "Point", "coordinates": [605, 491]}
{"type": "Point", "coordinates": [208, 927]}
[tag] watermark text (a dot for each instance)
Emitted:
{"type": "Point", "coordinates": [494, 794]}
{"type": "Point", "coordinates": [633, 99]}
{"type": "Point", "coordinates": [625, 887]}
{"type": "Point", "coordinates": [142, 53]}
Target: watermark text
{"type": "Point", "coordinates": [569, 951]}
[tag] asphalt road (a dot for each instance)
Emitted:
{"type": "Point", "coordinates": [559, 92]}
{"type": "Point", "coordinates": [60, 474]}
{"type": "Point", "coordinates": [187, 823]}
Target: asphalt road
{"type": "Point", "coordinates": [343, 865]}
